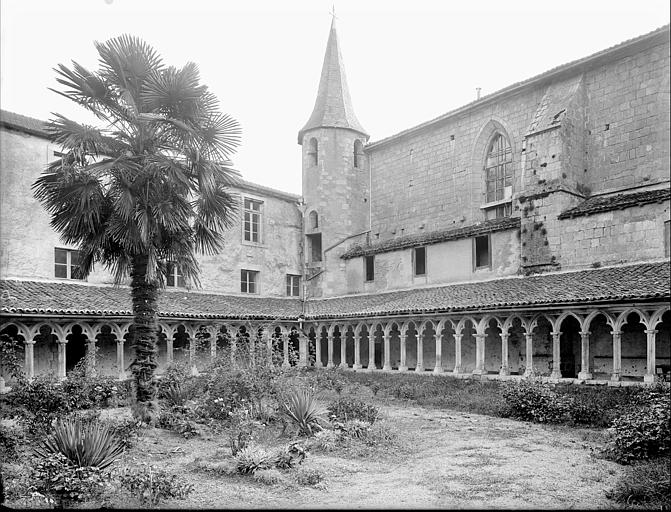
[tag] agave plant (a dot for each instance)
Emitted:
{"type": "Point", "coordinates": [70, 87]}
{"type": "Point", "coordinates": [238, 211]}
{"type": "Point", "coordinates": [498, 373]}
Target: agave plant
{"type": "Point", "coordinates": [302, 409]}
{"type": "Point", "coordinates": [83, 444]}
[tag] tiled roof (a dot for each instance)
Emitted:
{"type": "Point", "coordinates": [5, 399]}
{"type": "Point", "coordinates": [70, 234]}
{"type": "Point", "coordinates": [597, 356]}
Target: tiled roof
{"type": "Point", "coordinates": [433, 237]}
{"type": "Point", "coordinates": [56, 298]}
{"type": "Point", "coordinates": [333, 106]}
{"type": "Point", "coordinates": [604, 285]}
{"type": "Point", "coordinates": [23, 123]}
{"type": "Point", "coordinates": [646, 281]}
{"type": "Point", "coordinates": [599, 204]}
{"type": "Point", "coordinates": [656, 36]}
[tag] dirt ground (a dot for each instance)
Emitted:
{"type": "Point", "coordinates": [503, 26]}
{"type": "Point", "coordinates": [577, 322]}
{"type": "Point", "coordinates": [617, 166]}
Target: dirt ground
{"type": "Point", "coordinates": [451, 460]}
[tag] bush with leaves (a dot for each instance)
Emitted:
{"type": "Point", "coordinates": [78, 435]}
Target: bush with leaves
{"type": "Point", "coordinates": [301, 409]}
{"type": "Point", "coordinates": [251, 459]}
{"type": "Point", "coordinates": [10, 440]}
{"type": "Point", "coordinates": [11, 358]}
{"type": "Point", "coordinates": [83, 444]}
{"type": "Point", "coordinates": [38, 402]}
{"type": "Point", "coordinates": [643, 432]}
{"type": "Point", "coordinates": [533, 400]}
{"type": "Point", "coordinates": [151, 485]}
{"type": "Point", "coordinates": [344, 409]}
{"type": "Point", "coordinates": [55, 475]}
{"type": "Point", "coordinates": [290, 455]}
{"type": "Point", "coordinates": [241, 430]}
{"type": "Point", "coordinates": [309, 476]}
{"type": "Point", "coordinates": [179, 420]}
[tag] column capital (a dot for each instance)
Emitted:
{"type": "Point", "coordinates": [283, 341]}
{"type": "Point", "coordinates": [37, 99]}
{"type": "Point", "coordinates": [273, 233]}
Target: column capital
{"type": "Point", "coordinates": [585, 333]}
{"type": "Point", "coordinates": [505, 335]}
{"type": "Point", "coordinates": [29, 342]}
{"type": "Point", "coordinates": [651, 331]}
{"type": "Point", "coordinates": [616, 333]}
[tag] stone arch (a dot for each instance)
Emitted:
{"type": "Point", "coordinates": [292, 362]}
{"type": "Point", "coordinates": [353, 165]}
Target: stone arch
{"type": "Point", "coordinates": [467, 327]}
{"type": "Point", "coordinates": [565, 315]}
{"type": "Point", "coordinates": [622, 318]}
{"type": "Point", "coordinates": [657, 315]}
{"type": "Point", "coordinates": [77, 345]}
{"type": "Point", "coordinates": [106, 336]}
{"type": "Point", "coordinates": [361, 334]}
{"type": "Point", "coordinates": [541, 327]}
{"type": "Point", "coordinates": [599, 324]}
{"type": "Point", "coordinates": [517, 327]}
{"type": "Point", "coordinates": [492, 327]}
{"type": "Point", "coordinates": [587, 322]}
{"type": "Point", "coordinates": [570, 345]}
{"type": "Point", "coordinates": [633, 323]}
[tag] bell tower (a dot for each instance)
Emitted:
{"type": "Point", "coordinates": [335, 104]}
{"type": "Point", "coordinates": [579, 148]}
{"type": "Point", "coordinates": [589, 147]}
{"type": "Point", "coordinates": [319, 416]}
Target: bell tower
{"type": "Point", "coordinates": [335, 178]}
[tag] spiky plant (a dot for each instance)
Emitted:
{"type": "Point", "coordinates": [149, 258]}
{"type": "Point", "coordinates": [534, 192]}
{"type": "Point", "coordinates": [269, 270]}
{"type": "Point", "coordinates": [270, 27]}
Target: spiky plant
{"type": "Point", "coordinates": [149, 189]}
{"type": "Point", "coordinates": [302, 410]}
{"type": "Point", "coordinates": [89, 444]}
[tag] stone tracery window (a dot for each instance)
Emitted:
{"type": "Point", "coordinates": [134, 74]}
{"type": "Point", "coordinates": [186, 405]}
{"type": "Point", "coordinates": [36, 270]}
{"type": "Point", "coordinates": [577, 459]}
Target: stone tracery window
{"type": "Point", "coordinates": [499, 173]}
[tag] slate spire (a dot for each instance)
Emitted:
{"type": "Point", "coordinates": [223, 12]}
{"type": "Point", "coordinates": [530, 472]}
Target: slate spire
{"type": "Point", "coordinates": [333, 107]}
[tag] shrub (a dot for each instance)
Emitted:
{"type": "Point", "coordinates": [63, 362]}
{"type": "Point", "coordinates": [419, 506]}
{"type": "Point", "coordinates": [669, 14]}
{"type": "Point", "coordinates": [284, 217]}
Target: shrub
{"type": "Point", "coordinates": [252, 459]}
{"type": "Point", "coordinates": [354, 429]}
{"type": "Point", "coordinates": [345, 409]}
{"type": "Point", "coordinates": [54, 474]}
{"type": "Point", "coordinates": [381, 434]}
{"type": "Point", "coordinates": [178, 420]}
{"type": "Point", "coordinates": [174, 395]}
{"type": "Point", "coordinates": [10, 440]}
{"type": "Point", "coordinates": [645, 484]}
{"type": "Point", "coordinates": [152, 485]}
{"type": "Point", "coordinates": [268, 476]}
{"type": "Point", "coordinates": [241, 431]}
{"type": "Point", "coordinates": [643, 432]}
{"type": "Point", "coordinates": [309, 476]}
{"type": "Point", "coordinates": [532, 400]}
{"type": "Point", "coordinates": [303, 411]}
{"type": "Point", "coordinates": [287, 457]}
{"type": "Point", "coordinates": [326, 440]}
{"type": "Point", "coordinates": [84, 445]}
{"type": "Point", "coordinates": [127, 431]}
{"type": "Point", "coordinates": [405, 391]}
{"type": "Point", "coordinates": [39, 402]}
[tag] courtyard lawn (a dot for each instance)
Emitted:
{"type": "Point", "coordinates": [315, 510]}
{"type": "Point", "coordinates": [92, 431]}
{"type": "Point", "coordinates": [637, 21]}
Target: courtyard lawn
{"type": "Point", "coordinates": [440, 458]}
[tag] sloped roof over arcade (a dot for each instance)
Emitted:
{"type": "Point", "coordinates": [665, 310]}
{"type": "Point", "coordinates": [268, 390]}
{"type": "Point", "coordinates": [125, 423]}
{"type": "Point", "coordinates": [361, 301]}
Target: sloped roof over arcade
{"type": "Point", "coordinates": [645, 281]}
{"type": "Point", "coordinates": [65, 298]}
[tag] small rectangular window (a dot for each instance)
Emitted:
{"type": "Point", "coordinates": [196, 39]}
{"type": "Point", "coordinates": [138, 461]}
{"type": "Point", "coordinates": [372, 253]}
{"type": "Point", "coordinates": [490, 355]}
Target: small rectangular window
{"type": "Point", "coordinates": [293, 285]}
{"type": "Point", "coordinates": [66, 264]}
{"type": "Point", "coordinates": [315, 247]}
{"type": "Point", "coordinates": [249, 281]}
{"type": "Point", "coordinates": [481, 250]}
{"type": "Point", "coordinates": [174, 277]}
{"type": "Point", "coordinates": [369, 262]}
{"type": "Point", "coordinates": [252, 220]}
{"type": "Point", "coordinates": [419, 256]}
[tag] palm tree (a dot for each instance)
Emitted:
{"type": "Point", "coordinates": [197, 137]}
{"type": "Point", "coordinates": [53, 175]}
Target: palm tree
{"type": "Point", "coordinates": [147, 191]}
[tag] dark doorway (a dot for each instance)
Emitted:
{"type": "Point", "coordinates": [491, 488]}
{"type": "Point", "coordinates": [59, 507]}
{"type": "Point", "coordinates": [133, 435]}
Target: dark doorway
{"type": "Point", "coordinates": [569, 348]}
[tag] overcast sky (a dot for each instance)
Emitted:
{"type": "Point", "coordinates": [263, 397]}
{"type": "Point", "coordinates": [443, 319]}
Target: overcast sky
{"type": "Point", "coordinates": [406, 61]}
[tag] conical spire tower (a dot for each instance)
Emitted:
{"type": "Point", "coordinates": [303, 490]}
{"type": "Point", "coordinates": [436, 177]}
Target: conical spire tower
{"type": "Point", "coordinates": [333, 107]}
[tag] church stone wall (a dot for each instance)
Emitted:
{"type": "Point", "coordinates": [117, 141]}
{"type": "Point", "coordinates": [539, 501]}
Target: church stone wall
{"type": "Point", "coordinates": [631, 96]}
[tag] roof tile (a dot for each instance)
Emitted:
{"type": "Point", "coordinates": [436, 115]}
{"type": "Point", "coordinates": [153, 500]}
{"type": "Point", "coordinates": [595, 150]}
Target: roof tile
{"type": "Point", "coordinates": [617, 202]}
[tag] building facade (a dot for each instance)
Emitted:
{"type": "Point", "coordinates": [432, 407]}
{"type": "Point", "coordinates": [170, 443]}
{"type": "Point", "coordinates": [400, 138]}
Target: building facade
{"type": "Point", "coordinates": [526, 233]}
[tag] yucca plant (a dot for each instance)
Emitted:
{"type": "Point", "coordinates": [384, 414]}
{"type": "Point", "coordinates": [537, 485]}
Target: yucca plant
{"type": "Point", "coordinates": [84, 445]}
{"type": "Point", "coordinates": [251, 459]}
{"type": "Point", "coordinates": [302, 410]}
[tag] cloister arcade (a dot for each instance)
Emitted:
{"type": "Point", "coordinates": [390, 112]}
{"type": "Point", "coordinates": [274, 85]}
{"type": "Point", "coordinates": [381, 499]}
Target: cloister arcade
{"type": "Point", "coordinates": [612, 344]}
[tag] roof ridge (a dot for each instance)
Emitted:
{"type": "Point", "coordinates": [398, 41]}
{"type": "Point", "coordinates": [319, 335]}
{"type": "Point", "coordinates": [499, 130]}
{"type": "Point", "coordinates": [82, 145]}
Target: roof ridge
{"type": "Point", "coordinates": [546, 74]}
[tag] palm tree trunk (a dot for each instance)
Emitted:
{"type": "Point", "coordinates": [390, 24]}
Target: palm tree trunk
{"type": "Point", "coordinates": [145, 296]}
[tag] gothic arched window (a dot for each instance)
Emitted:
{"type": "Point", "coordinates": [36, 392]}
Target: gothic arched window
{"type": "Point", "coordinates": [358, 154]}
{"type": "Point", "coordinates": [499, 173]}
{"type": "Point", "coordinates": [313, 152]}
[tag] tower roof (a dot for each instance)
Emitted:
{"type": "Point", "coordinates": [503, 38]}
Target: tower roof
{"type": "Point", "coordinates": [333, 107]}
